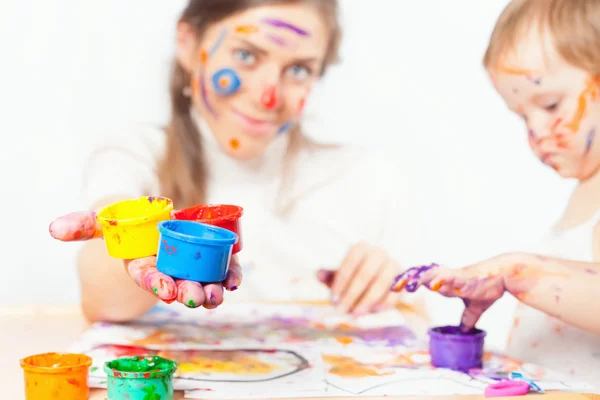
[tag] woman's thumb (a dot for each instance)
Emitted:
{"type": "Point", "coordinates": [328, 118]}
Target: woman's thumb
{"type": "Point", "coordinates": [76, 226]}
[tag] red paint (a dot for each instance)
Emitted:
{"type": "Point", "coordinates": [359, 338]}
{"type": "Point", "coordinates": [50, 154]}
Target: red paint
{"type": "Point", "coordinates": [269, 98]}
{"type": "Point", "coordinates": [169, 249]}
{"type": "Point", "coordinates": [301, 105]}
{"type": "Point", "coordinates": [221, 215]}
{"type": "Point", "coordinates": [146, 375]}
{"type": "Point", "coordinates": [113, 223]}
{"type": "Point", "coordinates": [555, 124]}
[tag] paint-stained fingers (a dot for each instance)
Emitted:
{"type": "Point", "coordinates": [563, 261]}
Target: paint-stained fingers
{"type": "Point", "coordinates": [377, 292]}
{"type": "Point", "coordinates": [190, 294]}
{"type": "Point", "coordinates": [213, 293]}
{"type": "Point", "coordinates": [347, 269]}
{"type": "Point", "coordinates": [144, 273]}
{"type": "Point", "coordinates": [234, 275]}
{"type": "Point", "coordinates": [470, 316]}
{"type": "Point", "coordinates": [76, 226]}
{"type": "Point", "coordinates": [326, 277]}
{"type": "Point", "coordinates": [365, 275]}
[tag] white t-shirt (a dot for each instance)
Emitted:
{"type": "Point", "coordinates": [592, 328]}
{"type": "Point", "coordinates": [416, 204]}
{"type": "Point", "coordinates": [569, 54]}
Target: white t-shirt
{"type": "Point", "coordinates": [339, 196]}
{"type": "Point", "coordinates": [538, 338]}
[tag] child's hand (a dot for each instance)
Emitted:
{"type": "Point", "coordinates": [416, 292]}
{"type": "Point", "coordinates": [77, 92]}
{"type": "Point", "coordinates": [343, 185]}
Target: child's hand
{"type": "Point", "coordinates": [80, 226]}
{"type": "Point", "coordinates": [361, 284]}
{"type": "Point", "coordinates": [478, 285]}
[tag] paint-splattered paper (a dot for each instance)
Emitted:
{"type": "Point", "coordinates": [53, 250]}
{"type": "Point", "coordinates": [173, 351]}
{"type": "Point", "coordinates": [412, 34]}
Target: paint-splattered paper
{"type": "Point", "coordinates": [283, 351]}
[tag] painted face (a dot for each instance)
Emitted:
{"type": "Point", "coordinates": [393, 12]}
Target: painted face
{"type": "Point", "coordinates": [253, 73]}
{"type": "Point", "coordinates": [558, 102]}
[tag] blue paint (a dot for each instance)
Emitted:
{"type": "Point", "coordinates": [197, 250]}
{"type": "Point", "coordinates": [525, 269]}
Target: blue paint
{"type": "Point", "coordinates": [219, 42]}
{"type": "Point", "coordinates": [190, 238]}
{"type": "Point", "coordinates": [226, 82]}
{"type": "Point", "coordinates": [590, 140]}
{"type": "Point", "coordinates": [285, 127]}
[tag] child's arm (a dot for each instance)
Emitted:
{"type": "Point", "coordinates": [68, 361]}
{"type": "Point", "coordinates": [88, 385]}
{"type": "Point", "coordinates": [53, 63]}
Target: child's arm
{"type": "Point", "coordinates": [567, 290]}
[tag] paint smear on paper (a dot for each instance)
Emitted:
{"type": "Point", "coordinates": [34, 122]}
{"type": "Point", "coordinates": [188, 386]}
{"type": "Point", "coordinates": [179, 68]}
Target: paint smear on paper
{"type": "Point", "coordinates": [347, 367]}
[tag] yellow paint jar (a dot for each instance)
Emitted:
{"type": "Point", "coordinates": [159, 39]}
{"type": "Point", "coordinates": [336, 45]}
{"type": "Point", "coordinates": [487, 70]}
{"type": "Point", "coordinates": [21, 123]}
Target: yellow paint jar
{"type": "Point", "coordinates": [55, 376]}
{"type": "Point", "coordinates": [130, 227]}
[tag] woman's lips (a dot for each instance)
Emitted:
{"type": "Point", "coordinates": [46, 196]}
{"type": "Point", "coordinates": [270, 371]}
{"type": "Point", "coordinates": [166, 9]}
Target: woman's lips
{"type": "Point", "coordinates": [255, 126]}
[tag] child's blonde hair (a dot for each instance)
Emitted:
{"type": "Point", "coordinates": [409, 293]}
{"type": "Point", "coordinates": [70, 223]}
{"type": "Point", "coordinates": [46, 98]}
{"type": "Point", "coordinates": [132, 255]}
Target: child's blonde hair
{"type": "Point", "coordinates": [573, 25]}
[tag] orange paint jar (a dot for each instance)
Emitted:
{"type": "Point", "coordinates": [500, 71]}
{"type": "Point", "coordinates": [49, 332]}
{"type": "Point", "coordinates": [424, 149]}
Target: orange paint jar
{"type": "Point", "coordinates": [56, 376]}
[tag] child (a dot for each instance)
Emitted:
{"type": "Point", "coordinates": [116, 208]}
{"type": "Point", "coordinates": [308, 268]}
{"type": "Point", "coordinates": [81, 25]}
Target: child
{"type": "Point", "coordinates": [243, 72]}
{"type": "Point", "coordinates": [544, 60]}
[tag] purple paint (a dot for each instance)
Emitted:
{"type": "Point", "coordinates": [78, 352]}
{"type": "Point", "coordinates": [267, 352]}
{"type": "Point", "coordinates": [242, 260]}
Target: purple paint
{"type": "Point", "coordinates": [531, 133]}
{"type": "Point", "coordinates": [387, 335]}
{"type": "Point", "coordinates": [537, 81]}
{"type": "Point", "coordinates": [591, 271]}
{"type": "Point", "coordinates": [234, 288]}
{"type": "Point", "coordinates": [285, 25]}
{"type": "Point", "coordinates": [204, 95]}
{"type": "Point", "coordinates": [590, 140]}
{"type": "Point", "coordinates": [412, 276]}
{"type": "Point", "coordinates": [276, 39]}
{"type": "Point", "coordinates": [151, 199]}
{"type": "Point", "coordinates": [452, 348]}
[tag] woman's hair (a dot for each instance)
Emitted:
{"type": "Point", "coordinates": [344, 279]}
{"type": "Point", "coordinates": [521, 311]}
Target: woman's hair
{"type": "Point", "coordinates": [573, 25]}
{"type": "Point", "coordinates": [182, 172]}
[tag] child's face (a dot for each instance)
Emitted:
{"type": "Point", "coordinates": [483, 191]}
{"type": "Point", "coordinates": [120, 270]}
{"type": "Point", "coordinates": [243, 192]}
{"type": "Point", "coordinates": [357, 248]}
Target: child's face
{"type": "Point", "coordinates": [253, 72]}
{"type": "Point", "coordinates": [558, 102]}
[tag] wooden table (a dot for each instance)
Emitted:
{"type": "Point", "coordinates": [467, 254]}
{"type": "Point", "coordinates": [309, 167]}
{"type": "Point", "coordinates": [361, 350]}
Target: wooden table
{"type": "Point", "coordinates": [27, 330]}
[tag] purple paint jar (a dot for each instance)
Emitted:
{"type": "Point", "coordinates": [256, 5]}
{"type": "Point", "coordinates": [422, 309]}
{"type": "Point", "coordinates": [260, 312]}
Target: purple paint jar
{"type": "Point", "coordinates": [452, 348]}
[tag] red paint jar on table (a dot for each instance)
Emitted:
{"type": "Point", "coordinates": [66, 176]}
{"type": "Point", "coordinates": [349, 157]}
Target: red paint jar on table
{"type": "Point", "coordinates": [222, 215]}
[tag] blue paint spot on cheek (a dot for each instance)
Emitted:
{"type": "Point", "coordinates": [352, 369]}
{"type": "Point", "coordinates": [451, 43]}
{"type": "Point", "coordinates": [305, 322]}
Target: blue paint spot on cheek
{"type": "Point", "coordinates": [226, 82]}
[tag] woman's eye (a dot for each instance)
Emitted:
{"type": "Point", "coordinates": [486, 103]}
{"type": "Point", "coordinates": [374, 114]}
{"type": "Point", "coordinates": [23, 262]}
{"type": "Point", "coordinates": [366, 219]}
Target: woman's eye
{"type": "Point", "coordinates": [299, 72]}
{"type": "Point", "coordinates": [245, 57]}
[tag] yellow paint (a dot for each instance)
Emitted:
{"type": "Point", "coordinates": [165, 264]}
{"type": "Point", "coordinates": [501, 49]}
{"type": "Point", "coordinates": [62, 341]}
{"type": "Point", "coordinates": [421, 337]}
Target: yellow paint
{"type": "Point", "coordinates": [129, 227]}
{"type": "Point", "coordinates": [239, 365]}
{"type": "Point", "coordinates": [347, 367]}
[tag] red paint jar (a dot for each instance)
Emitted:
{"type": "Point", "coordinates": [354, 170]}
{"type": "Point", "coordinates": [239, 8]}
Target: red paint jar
{"type": "Point", "coordinates": [222, 215]}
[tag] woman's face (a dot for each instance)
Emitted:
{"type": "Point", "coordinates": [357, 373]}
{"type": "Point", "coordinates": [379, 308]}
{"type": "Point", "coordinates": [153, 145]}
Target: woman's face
{"type": "Point", "coordinates": [253, 71]}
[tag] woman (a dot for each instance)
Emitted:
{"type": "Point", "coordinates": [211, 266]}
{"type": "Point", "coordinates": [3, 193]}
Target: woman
{"type": "Point", "coordinates": [243, 72]}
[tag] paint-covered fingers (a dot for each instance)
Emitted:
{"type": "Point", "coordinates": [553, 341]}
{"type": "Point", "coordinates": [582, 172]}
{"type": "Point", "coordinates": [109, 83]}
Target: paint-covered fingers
{"type": "Point", "coordinates": [326, 277]}
{"type": "Point", "coordinates": [411, 279]}
{"type": "Point", "coordinates": [234, 275]}
{"type": "Point", "coordinates": [76, 226]}
{"type": "Point", "coordinates": [144, 273]}
{"type": "Point", "coordinates": [473, 311]}
{"type": "Point", "coordinates": [214, 295]}
{"type": "Point", "coordinates": [365, 276]}
{"type": "Point", "coordinates": [190, 294]}
{"type": "Point", "coordinates": [347, 269]}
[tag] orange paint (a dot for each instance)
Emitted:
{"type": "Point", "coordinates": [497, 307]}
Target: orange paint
{"type": "Point", "coordinates": [203, 57]}
{"type": "Point", "coordinates": [344, 340]}
{"type": "Point", "coordinates": [591, 90]}
{"type": "Point", "coordinates": [437, 285]}
{"type": "Point", "coordinates": [246, 29]}
{"type": "Point", "coordinates": [556, 124]}
{"type": "Point", "coordinates": [301, 105]}
{"type": "Point", "coordinates": [54, 376]}
{"type": "Point", "coordinates": [347, 367]}
{"type": "Point", "coordinates": [515, 71]}
{"type": "Point", "coordinates": [224, 81]}
{"type": "Point", "coordinates": [234, 143]}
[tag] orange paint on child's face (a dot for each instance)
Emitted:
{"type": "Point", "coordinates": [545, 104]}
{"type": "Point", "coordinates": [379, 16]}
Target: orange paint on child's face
{"type": "Point", "coordinates": [558, 102]}
{"type": "Point", "coordinates": [235, 144]}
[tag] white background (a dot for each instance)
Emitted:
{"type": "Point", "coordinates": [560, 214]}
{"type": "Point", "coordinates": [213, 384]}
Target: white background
{"type": "Point", "coordinates": [411, 79]}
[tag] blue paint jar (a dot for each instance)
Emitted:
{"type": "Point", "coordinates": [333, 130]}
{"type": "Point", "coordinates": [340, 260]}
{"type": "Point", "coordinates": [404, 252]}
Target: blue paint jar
{"type": "Point", "coordinates": [194, 251]}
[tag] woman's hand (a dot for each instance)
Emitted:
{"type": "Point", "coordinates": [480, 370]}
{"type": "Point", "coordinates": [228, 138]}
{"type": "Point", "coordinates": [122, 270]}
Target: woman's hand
{"type": "Point", "coordinates": [81, 226]}
{"type": "Point", "coordinates": [479, 285]}
{"type": "Point", "coordinates": [361, 284]}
